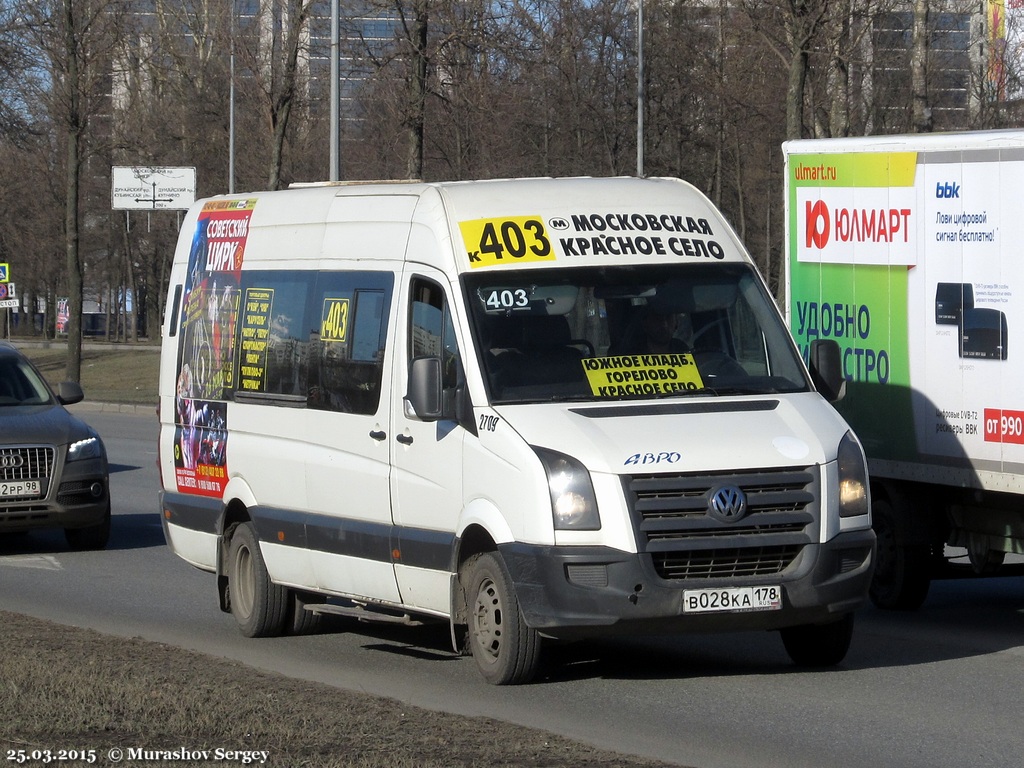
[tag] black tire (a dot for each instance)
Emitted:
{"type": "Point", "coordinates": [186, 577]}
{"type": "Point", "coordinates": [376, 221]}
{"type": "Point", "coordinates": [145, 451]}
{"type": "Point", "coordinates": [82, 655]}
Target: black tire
{"type": "Point", "coordinates": [902, 571]}
{"type": "Point", "coordinates": [91, 538]}
{"type": "Point", "coordinates": [506, 650]}
{"type": "Point", "coordinates": [301, 621]}
{"type": "Point", "coordinates": [984, 561]}
{"type": "Point", "coordinates": [259, 606]}
{"type": "Point", "coordinates": [819, 645]}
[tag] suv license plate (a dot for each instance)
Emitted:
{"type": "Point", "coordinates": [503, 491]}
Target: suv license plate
{"type": "Point", "coordinates": [732, 599]}
{"type": "Point", "coordinates": [19, 488]}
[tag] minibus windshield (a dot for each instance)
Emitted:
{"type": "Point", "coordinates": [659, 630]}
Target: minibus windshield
{"type": "Point", "coordinates": [613, 333]}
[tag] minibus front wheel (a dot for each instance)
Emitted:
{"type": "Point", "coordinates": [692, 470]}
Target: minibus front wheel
{"type": "Point", "coordinates": [505, 649]}
{"type": "Point", "coordinates": [259, 606]}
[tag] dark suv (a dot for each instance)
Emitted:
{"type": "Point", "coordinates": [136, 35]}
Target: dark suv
{"type": "Point", "coordinates": [53, 466]}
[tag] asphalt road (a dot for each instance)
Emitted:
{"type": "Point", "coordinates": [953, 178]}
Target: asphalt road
{"type": "Point", "coordinates": [940, 687]}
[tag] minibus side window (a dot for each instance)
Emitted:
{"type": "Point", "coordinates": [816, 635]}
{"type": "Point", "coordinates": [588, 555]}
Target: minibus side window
{"type": "Point", "coordinates": [274, 341]}
{"type": "Point", "coordinates": [432, 332]}
{"type": "Point", "coordinates": [172, 327]}
{"type": "Point", "coordinates": [347, 364]}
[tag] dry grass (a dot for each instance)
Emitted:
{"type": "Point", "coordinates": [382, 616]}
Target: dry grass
{"type": "Point", "coordinates": [115, 373]}
{"type": "Point", "coordinates": [65, 687]}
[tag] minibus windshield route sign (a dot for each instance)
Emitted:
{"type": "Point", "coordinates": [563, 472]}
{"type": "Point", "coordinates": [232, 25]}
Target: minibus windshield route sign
{"type": "Point", "coordinates": [625, 375]}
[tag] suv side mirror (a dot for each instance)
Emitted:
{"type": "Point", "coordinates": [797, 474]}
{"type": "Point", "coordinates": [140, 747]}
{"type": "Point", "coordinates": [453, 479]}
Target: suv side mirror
{"type": "Point", "coordinates": [826, 366]}
{"type": "Point", "coordinates": [69, 393]}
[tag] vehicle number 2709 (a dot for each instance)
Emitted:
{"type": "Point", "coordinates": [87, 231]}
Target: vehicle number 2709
{"type": "Point", "coordinates": [768, 598]}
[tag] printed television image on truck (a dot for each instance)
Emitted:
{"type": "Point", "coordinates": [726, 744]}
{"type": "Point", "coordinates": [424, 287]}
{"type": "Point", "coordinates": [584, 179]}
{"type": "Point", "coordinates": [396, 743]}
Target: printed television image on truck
{"type": "Point", "coordinates": [906, 250]}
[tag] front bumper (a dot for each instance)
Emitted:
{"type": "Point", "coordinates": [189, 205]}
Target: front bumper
{"type": "Point", "coordinates": [77, 495]}
{"type": "Point", "coordinates": [582, 591]}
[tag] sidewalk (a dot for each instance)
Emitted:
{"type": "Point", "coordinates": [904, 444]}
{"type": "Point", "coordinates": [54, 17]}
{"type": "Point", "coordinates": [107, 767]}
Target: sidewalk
{"type": "Point", "coordinates": [90, 406]}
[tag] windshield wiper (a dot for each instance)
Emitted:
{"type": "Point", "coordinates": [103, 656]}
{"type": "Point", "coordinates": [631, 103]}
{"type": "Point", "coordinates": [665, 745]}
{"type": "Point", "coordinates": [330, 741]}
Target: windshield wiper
{"type": "Point", "coordinates": [730, 389]}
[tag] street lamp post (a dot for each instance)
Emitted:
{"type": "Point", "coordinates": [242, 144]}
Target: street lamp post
{"type": "Point", "coordinates": [335, 94]}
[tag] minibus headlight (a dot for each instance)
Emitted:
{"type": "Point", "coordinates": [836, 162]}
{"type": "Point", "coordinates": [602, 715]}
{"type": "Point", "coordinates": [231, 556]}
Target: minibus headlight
{"type": "Point", "coordinates": [573, 503]}
{"type": "Point", "coordinates": [853, 478]}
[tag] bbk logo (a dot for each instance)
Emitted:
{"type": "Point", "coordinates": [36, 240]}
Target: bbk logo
{"type": "Point", "coordinates": [947, 190]}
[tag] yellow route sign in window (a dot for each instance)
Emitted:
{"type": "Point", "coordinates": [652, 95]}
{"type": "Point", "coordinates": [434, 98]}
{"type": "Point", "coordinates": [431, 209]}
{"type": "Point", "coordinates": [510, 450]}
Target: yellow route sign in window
{"type": "Point", "coordinates": [334, 320]}
{"type": "Point", "coordinates": [626, 375]}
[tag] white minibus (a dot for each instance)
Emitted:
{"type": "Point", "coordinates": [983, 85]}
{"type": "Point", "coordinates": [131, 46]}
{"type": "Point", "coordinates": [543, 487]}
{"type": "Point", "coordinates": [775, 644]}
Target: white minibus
{"type": "Point", "coordinates": [531, 408]}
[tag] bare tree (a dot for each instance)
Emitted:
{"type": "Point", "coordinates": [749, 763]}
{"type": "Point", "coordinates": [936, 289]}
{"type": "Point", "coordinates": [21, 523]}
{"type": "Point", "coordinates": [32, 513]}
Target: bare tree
{"type": "Point", "coordinates": [464, 89]}
{"type": "Point", "coordinates": [282, 28]}
{"type": "Point", "coordinates": [76, 40]}
{"type": "Point", "coordinates": [922, 112]}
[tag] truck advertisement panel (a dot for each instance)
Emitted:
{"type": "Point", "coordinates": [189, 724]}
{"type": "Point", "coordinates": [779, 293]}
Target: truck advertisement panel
{"type": "Point", "coordinates": [910, 260]}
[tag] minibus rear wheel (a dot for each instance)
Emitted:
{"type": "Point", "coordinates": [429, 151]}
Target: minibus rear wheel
{"type": "Point", "coordinates": [505, 649]}
{"type": "Point", "coordinates": [259, 606]}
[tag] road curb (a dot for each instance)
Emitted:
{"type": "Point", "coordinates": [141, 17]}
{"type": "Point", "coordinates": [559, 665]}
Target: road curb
{"type": "Point", "coordinates": [144, 409]}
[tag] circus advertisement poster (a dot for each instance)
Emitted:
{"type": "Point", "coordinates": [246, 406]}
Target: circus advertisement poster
{"type": "Point", "coordinates": [206, 361]}
{"type": "Point", "coordinates": [200, 447]}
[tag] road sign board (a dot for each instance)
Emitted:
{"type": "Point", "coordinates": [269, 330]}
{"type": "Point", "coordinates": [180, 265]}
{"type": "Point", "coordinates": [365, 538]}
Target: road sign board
{"type": "Point", "coordinates": [5, 272]}
{"type": "Point", "coordinates": [151, 188]}
{"type": "Point", "coordinates": [9, 304]}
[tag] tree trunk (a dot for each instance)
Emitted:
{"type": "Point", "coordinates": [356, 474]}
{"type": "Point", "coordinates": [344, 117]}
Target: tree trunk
{"type": "Point", "coordinates": [795, 92]}
{"type": "Point", "coordinates": [281, 104]}
{"type": "Point", "coordinates": [72, 140]}
{"type": "Point", "coordinates": [922, 112]}
{"type": "Point", "coordinates": [417, 89]}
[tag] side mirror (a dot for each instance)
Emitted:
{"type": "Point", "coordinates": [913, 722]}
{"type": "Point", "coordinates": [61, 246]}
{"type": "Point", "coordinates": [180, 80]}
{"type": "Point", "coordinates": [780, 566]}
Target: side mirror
{"type": "Point", "coordinates": [69, 392]}
{"type": "Point", "coordinates": [826, 366]}
{"type": "Point", "coordinates": [424, 391]}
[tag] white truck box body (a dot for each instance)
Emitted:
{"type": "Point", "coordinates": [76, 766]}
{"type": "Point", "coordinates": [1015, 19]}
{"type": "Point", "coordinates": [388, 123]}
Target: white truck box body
{"type": "Point", "coordinates": [906, 250]}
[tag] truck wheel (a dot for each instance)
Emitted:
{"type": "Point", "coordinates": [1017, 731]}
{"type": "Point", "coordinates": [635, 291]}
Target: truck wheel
{"type": "Point", "coordinates": [984, 561]}
{"type": "Point", "coordinates": [902, 577]}
{"type": "Point", "coordinates": [301, 621]}
{"type": "Point", "coordinates": [505, 649]}
{"type": "Point", "coordinates": [819, 645]}
{"type": "Point", "coordinates": [91, 538]}
{"type": "Point", "coordinates": [259, 606]}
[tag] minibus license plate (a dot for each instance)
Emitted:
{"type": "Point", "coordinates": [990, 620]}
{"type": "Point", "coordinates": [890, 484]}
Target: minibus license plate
{"type": "Point", "coordinates": [733, 599]}
{"type": "Point", "coordinates": [19, 488]}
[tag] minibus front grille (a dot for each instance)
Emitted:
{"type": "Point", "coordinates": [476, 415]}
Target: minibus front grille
{"type": "Point", "coordinates": [674, 525]}
{"type": "Point", "coordinates": [725, 563]}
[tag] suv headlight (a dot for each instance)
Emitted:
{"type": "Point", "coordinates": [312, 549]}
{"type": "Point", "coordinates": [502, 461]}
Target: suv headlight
{"type": "Point", "coordinates": [90, 448]}
{"type": "Point", "coordinates": [853, 478]}
{"type": "Point", "coordinates": [573, 503]}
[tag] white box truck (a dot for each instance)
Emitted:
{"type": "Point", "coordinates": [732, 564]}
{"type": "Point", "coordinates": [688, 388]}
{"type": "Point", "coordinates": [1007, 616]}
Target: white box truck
{"type": "Point", "coordinates": [907, 250]}
{"type": "Point", "coordinates": [528, 408]}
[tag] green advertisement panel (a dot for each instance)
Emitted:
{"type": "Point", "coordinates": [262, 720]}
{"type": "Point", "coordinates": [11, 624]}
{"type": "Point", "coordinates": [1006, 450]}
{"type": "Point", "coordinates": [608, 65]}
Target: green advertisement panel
{"type": "Point", "coordinates": [910, 261]}
{"type": "Point", "coordinates": [848, 282]}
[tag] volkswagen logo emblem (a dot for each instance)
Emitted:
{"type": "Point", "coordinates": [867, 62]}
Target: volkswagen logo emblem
{"type": "Point", "coordinates": [11, 460]}
{"type": "Point", "coordinates": [728, 504]}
